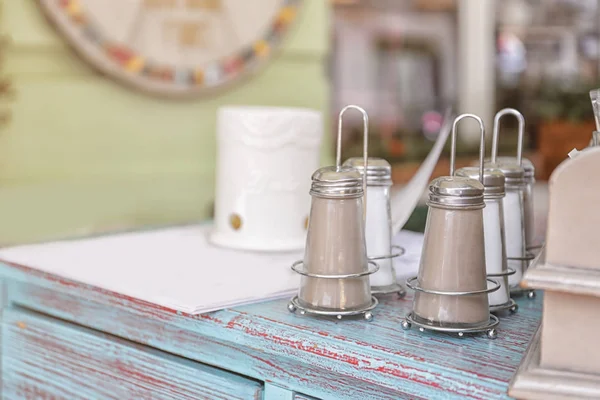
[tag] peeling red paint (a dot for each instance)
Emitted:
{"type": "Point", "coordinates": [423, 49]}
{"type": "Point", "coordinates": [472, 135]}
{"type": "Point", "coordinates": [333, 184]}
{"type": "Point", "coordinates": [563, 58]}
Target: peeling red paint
{"type": "Point", "coordinates": [234, 321]}
{"type": "Point", "coordinates": [310, 348]}
{"type": "Point", "coordinates": [211, 317]}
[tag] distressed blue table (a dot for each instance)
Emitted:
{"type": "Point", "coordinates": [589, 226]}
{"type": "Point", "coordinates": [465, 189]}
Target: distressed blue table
{"type": "Point", "coordinates": [66, 340]}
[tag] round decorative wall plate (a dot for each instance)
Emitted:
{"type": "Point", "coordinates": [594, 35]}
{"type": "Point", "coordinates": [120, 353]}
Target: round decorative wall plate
{"type": "Point", "coordinates": [173, 47]}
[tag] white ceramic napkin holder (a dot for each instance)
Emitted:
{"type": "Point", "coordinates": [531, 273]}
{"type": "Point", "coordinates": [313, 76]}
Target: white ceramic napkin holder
{"type": "Point", "coordinates": [265, 159]}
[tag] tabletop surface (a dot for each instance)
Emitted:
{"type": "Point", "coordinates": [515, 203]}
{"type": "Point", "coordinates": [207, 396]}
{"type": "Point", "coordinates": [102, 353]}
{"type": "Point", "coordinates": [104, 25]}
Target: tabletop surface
{"type": "Point", "coordinates": [133, 263]}
{"type": "Point", "coordinates": [469, 367]}
{"type": "Point", "coordinates": [319, 357]}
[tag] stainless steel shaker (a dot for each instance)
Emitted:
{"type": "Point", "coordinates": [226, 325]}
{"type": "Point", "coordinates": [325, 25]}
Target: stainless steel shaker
{"type": "Point", "coordinates": [494, 235]}
{"type": "Point", "coordinates": [379, 224]}
{"type": "Point", "coordinates": [518, 203]}
{"type": "Point", "coordinates": [451, 288]}
{"type": "Point", "coordinates": [528, 177]}
{"type": "Point", "coordinates": [335, 269]}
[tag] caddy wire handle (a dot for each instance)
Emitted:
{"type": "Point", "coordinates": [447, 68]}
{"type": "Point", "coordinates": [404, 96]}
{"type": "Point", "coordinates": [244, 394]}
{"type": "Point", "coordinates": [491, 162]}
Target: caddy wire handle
{"type": "Point", "coordinates": [481, 143]}
{"type": "Point", "coordinates": [338, 156]}
{"type": "Point", "coordinates": [521, 119]}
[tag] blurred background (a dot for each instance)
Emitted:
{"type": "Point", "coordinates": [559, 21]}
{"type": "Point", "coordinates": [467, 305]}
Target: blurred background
{"type": "Point", "coordinates": [81, 153]}
{"type": "Point", "coordinates": [408, 60]}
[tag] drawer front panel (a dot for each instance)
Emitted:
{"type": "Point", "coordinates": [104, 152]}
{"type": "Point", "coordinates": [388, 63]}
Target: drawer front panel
{"type": "Point", "coordinates": [44, 358]}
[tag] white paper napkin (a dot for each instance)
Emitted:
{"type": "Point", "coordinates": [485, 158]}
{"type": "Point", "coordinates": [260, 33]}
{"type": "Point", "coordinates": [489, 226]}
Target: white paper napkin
{"type": "Point", "coordinates": [177, 268]}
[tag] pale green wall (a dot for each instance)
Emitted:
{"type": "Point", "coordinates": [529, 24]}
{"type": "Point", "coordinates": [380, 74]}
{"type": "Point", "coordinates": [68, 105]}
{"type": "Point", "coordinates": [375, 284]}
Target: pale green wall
{"type": "Point", "coordinates": [84, 155]}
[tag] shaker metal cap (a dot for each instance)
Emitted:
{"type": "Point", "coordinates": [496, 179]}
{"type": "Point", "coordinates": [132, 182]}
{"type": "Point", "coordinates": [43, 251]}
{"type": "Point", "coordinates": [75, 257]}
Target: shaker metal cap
{"type": "Point", "coordinates": [517, 170]}
{"type": "Point", "coordinates": [526, 164]}
{"type": "Point", "coordinates": [337, 182]}
{"type": "Point", "coordinates": [459, 192]}
{"type": "Point", "coordinates": [456, 192]}
{"type": "Point", "coordinates": [379, 171]}
{"type": "Point", "coordinates": [493, 180]}
{"type": "Point", "coordinates": [514, 174]}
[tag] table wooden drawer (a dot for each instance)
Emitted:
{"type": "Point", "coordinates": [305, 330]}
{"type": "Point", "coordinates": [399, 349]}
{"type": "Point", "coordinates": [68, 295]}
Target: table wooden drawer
{"type": "Point", "coordinates": [45, 358]}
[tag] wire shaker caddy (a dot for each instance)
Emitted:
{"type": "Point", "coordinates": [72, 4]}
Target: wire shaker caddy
{"type": "Point", "coordinates": [335, 269]}
{"type": "Point", "coordinates": [451, 288]}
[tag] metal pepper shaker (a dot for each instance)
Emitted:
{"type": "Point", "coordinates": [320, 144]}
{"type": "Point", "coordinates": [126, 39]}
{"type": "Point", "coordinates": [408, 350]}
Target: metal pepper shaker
{"type": "Point", "coordinates": [494, 236]}
{"type": "Point", "coordinates": [514, 223]}
{"type": "Point", "coordinates": [335, 269]}
{"type": "Point", "coordinates": [528, 176]}
{"type": "Point", "coordinates": [451, 288]}
{"type": "Point", "coordinates": [517, 213]}
{"type": "Point", "coordinates": [379, 224]}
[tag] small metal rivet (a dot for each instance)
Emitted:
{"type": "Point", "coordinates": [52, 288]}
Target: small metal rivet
{"type": "Point", "coordinates": [422, 329]}
{"type": "Point", "coordinates": [236, 221]}
{"type": "Point", "coordinates": [339, 317]}
{"type": "Point", "coordinates": [461, 334]}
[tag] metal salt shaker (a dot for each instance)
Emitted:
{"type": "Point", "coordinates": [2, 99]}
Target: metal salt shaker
{"type": "Point", "coordinates": [529, 173]}
{"type": "Point", "coordinates": [451, 289]}
{"type": "Point", "coordinates": [494, 236]}
{"type": "Point", "coordinates": [335, 269]}
{"type": "Point", "coordinates": [514, 207]}
{"type": "Point", "coordinates": [514, 222]}
{"type": "Point", "coordinates": [379, 224]}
